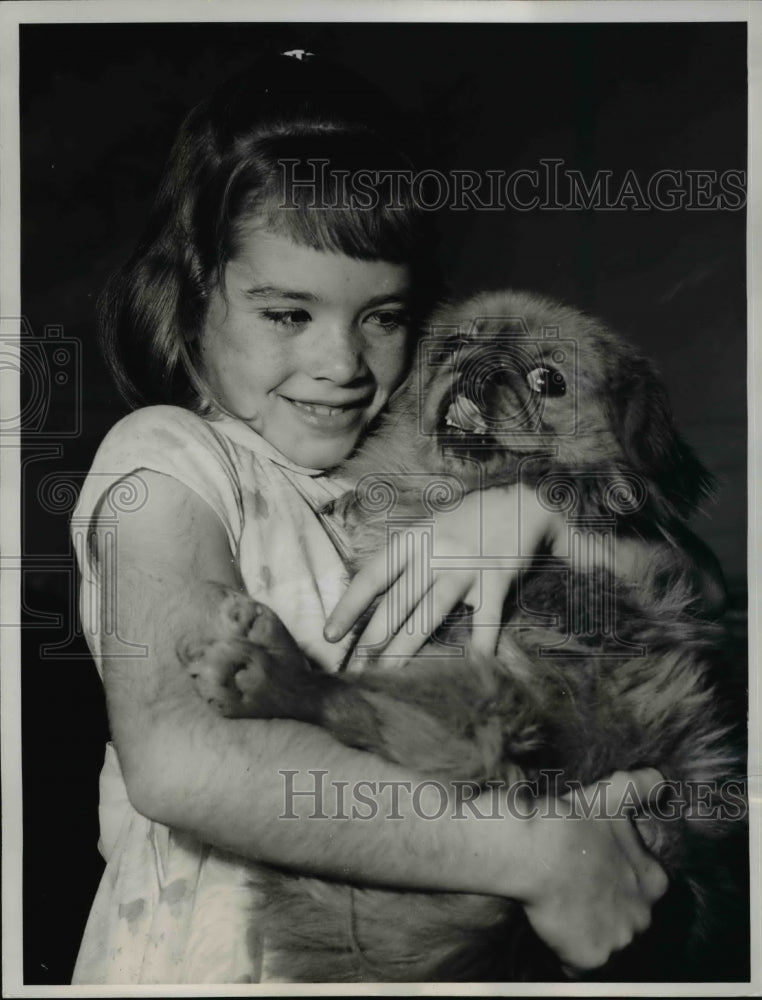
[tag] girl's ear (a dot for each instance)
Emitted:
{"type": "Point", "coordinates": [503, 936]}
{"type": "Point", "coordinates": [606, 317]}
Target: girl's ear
{"type": "Point", "coordinates": [643, 421]}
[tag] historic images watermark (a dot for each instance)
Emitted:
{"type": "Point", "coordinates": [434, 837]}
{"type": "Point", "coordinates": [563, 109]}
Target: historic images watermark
{"type": "Point", "coordinates": [549, 186]}
{"type": "Point", "coordinates": [546, 797]}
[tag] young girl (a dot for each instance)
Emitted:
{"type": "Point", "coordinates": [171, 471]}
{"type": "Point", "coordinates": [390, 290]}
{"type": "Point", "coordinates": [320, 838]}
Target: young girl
{"type": "Point", "coordinates": [258, 329]}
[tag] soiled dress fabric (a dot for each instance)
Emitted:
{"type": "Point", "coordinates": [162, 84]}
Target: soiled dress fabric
{"type": "Point", "coordinates": [170, 909]}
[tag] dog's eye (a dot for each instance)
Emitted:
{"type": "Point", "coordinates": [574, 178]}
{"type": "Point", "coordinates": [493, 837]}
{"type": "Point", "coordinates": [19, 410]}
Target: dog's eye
{"type": "Point", "coordinates": [549, 381]}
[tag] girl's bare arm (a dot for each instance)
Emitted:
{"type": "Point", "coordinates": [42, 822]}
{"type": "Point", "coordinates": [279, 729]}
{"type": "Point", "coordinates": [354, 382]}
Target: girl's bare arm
{"type": "Point", "coordinates": [220, 779]}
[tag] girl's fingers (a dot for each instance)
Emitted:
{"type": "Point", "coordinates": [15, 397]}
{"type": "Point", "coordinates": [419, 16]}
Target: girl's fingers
{"type": "Point", "coordinates": [628, 790]}
{"type": "Point", "coordinates": [633, 787]}
{"type": "Point", "coordinates": [405, 594]}
{"type": "Point", "coordinates": [487, 616]}
{"type": "Point", "coordinates": [426, 617]}
{"type": "Point", "coordinates": [415, 605]}
{"type": "Point", "coordinates": [410, 611]}
{"type": "Point", "coordinates": [632, 847]}
{"type": "Point", "coordinates": [623, 791]}
{"type": "Point", "coordinates": [370, 581]}
{"type": "Point", "coordinates": [639, 785]}
{"type": "Point", "coordinates": [392, 613]}
{"type": "Point", "coordinates": [651, 876]}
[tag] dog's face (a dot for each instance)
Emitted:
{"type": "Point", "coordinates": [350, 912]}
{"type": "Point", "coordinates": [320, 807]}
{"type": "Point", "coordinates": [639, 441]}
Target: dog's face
{"type": "Point", "coordinates": [516, 385]}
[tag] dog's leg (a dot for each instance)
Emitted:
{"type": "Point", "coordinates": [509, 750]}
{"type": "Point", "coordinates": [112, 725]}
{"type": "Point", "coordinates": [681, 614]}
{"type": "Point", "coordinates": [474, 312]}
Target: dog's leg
{"type": "Point", "coordinates": [248, 665]}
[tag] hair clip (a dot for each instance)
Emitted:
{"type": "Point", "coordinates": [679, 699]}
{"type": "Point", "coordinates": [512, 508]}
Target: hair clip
{"type": "Point", "coordinates": [300, 54]}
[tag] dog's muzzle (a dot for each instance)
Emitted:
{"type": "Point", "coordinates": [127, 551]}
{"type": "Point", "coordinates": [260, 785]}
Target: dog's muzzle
{"type": "Point", "coordinates": [497, 396]}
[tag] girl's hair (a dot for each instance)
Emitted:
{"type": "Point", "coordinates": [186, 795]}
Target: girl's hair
{"type": "Point", "coordinates": [281, 139]}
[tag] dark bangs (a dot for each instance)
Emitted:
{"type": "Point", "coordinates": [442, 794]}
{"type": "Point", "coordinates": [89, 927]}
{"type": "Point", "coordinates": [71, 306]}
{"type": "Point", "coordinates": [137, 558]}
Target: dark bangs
{"type": "Point", "coordinates": [329, 189]}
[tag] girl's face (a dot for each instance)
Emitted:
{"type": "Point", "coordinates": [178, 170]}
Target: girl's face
{"type": "Point", "coordinates": [305, 345]}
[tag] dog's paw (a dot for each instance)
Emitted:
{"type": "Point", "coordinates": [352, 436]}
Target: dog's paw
{"type": "Point", "coordinates": [246, 664]}
{"type": "Point", "coordinates": [238, 616]}
{"type": "Point", "coordinates": [231, 675]}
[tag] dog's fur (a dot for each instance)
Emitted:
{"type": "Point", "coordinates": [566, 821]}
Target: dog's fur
{"type": "Point", "coordinates": [511, 387]}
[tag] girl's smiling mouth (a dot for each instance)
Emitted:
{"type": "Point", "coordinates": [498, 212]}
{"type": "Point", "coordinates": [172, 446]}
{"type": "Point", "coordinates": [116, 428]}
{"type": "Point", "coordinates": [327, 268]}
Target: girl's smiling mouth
{"type": "Point", "coordinates": [329, 416]}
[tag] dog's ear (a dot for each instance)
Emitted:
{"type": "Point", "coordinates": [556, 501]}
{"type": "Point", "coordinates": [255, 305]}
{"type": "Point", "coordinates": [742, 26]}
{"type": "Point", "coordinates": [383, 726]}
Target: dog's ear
{"type": "Point", "coordinates": [646, 431]}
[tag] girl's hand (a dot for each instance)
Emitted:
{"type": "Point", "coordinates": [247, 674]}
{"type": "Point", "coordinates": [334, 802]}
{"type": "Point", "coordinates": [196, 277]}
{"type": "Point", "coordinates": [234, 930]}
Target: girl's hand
{"type": "Point", "coordinates": [421, 586]}
{"type": "Point", "coordinates": [599, 882]}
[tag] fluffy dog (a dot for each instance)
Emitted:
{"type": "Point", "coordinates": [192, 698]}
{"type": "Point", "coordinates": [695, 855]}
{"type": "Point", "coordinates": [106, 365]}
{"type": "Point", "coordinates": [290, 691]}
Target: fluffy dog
{"type": "Point", "coordinates": [596, 670]}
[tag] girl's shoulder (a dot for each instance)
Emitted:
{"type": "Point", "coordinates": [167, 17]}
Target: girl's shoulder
{"type": "Point", "coordinates": [171, 441]}
{"type": "Point", "coordinates": [170, 436]}
{"type": "Point", "coordinates": [167, 425]}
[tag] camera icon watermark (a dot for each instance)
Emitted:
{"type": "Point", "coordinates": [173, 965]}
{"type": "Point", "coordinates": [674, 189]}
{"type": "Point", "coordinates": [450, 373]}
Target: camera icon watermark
{"type": "Point", "coordinates": [501, 380]}
{"type": "Point", "coordinates": [47, 374]}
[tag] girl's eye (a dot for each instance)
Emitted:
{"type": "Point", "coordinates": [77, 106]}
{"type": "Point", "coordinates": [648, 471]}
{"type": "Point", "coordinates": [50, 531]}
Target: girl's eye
{"type": "Point", "coordinates": [388, 319]}
{"type": "Point", "coordinates": [287, 317]}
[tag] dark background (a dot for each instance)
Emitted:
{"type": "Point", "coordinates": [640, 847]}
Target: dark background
{"type": "Point", "coordinates": [99, 107]}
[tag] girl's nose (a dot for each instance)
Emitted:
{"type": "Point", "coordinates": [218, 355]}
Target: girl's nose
{"type": "Point", "coordinates": [338, 354]}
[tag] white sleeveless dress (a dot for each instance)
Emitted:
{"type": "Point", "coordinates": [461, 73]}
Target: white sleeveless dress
{"type": "Point", "coordinates": [170, 909]}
